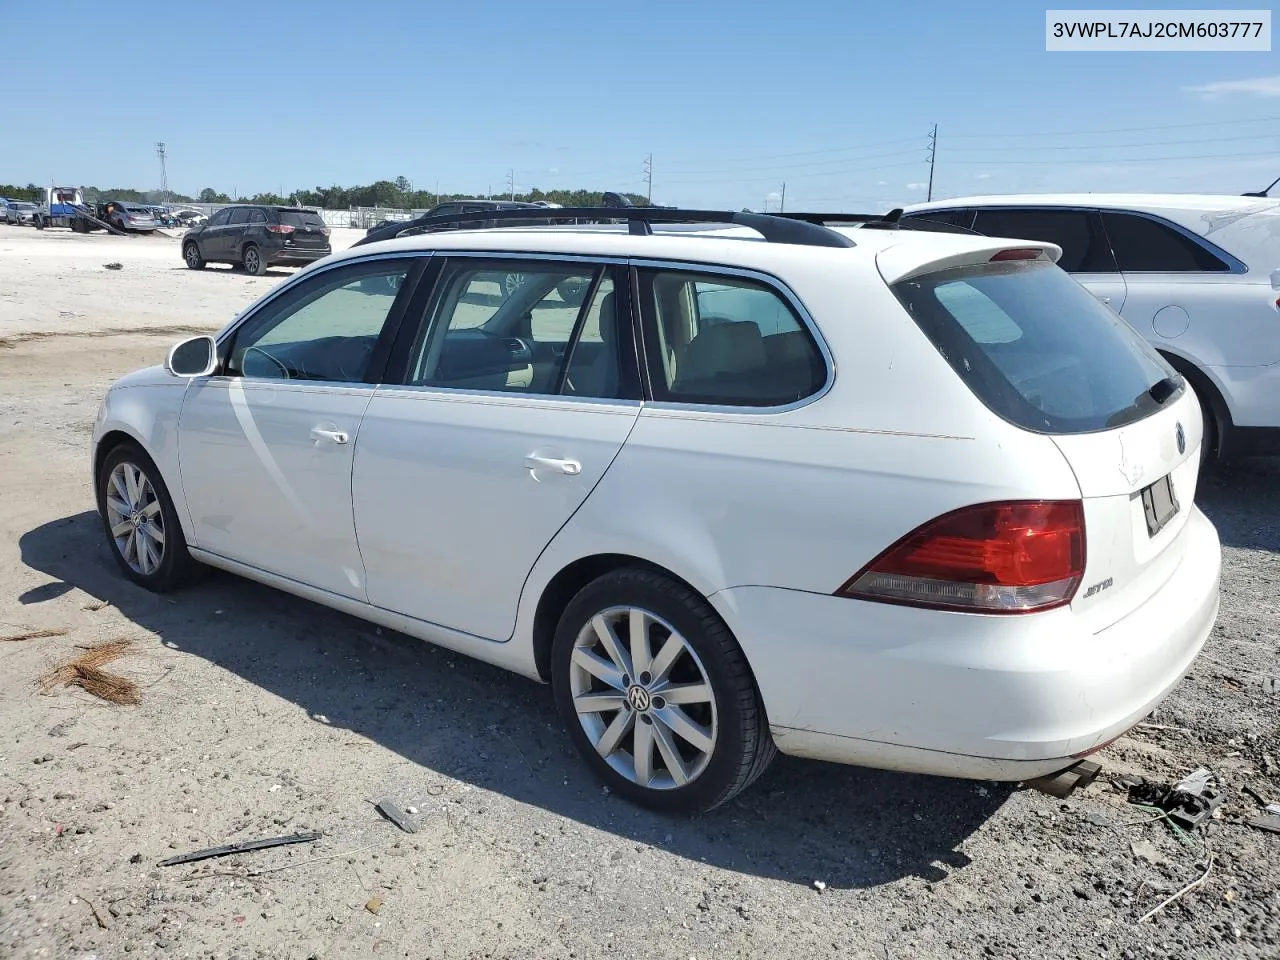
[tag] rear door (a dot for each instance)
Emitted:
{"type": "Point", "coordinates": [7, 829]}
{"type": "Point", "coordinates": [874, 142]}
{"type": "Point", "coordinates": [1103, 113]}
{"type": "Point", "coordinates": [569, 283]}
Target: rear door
{"type": "Point", "coordinates": [508, 414]}
{"type": "Point", "coordinates": [304, 231]}
{"type": "Point", "coordinates": [1045, 356]}
{"type": "Point", "coordinates": [1086, 255]}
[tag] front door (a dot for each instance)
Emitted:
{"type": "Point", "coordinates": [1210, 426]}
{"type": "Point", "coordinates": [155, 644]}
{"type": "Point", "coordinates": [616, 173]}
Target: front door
{"type": "Point", "coordinates": [509, 412]}
{"type": "Point", "coordinates": [1086, 254]}
{"type": "Point", "coordinates": [265, 446]}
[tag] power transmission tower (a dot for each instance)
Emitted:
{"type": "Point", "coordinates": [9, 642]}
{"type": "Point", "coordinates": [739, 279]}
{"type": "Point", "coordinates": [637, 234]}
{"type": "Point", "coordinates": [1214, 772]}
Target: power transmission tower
{"type": "Point", "coordinates": [933, 156]}
{"type": "Point", "coordinates": [511, 183]}
{"type": "Point", "coordinates": [648, 177]}
{"type": "Point", "coordinates": [164, 173]}
{"type": "Point", "coordinates": [782, 198]}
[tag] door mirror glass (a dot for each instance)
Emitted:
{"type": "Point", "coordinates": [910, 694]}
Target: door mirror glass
{"type": "Point", "coordinates": [197, 357]}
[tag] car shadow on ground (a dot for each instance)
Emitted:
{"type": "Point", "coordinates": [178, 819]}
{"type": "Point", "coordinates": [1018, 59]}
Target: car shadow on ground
{"type": "Point", "coordinates": [1243, 501]}
{"type": "Point", "coordinates": [801, 822]}
{"type": "Point", "coordinates": [239, 271]}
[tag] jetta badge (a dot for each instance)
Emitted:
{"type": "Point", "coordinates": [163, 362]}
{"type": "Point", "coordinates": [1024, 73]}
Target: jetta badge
{"type": "Point", "coordinates": [1181, 436]}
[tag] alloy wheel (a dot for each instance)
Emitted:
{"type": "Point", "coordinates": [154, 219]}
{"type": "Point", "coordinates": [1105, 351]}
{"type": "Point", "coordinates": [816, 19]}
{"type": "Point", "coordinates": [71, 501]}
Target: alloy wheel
{"type": "Point", "coordinates": [251, 260]}
{"type": "Point", "coordinates": [135, 518]}
{"type": "Point", "coordinates": [643, 698]}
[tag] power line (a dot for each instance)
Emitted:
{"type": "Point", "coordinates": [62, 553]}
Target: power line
{"type": "Point", "coordinates": [711, 176]}
{"type": "Point", "coordinates": [1151, 143]}
{"type": "Point", "coordinates": [803, 153]}
{"type": "Point", "coordinates": [729, 179]}
{"type": "Point", "coordinates": [1082, 133]}
{"type": "Point", "coordinates": [1105, 160]}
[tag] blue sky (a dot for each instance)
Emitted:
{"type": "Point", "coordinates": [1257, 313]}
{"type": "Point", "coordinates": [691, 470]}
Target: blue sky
{"type": "Point", "coordinates": [731, 99]}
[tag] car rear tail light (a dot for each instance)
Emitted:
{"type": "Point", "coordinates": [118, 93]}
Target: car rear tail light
{"type": "Point", "coordinates": [1017, 253]}
{"type": "Point", "coordinates": [280, 228]}
{"type": "Point", "coordinates": [1013, 557]}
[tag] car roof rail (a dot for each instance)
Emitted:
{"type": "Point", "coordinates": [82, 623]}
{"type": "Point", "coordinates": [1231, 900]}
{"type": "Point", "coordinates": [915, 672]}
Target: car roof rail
{"type": "Point", "coordinates": [885, 221]}
{"type": "Point", "coordinates": [640, 221]}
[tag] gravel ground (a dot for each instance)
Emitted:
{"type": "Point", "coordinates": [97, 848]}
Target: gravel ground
{"type": "Point", "coordinates": [264, 715]}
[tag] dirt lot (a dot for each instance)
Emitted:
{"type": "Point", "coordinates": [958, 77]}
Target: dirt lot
{"type": "Point", "coordinates": [264, 715]}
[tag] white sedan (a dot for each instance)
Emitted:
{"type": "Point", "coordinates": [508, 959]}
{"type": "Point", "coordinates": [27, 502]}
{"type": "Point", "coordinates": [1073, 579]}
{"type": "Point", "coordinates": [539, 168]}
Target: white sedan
{"type": "Point", "coordinates": [882, 497]}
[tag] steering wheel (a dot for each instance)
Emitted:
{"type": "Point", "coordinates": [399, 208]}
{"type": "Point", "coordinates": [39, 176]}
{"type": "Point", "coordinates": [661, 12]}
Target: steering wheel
{"type": "Point", "coordinates": [276, 361]}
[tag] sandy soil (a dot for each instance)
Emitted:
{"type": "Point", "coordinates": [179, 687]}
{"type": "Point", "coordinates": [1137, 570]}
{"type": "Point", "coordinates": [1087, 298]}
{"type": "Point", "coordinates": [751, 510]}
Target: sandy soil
{"type": "Point", "coordinates": [265, 715]}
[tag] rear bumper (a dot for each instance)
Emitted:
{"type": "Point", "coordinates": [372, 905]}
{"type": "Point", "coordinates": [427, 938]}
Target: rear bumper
{"type": "Point", "coordinates": [963, 695]}
{"type": "Point", "coordinates": [289, 255]}
{"type": "Point", "coordinates": [1252, 394]}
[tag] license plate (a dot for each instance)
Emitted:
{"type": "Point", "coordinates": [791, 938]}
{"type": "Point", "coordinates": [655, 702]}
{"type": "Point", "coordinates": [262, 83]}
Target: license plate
{"type": "Point", "coordinates": [1160, 504]}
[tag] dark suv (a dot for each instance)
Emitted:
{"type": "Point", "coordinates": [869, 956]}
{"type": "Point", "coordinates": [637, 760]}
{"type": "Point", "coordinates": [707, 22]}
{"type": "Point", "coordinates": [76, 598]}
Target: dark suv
{"type": "Point", "coordinates": [257, 237]}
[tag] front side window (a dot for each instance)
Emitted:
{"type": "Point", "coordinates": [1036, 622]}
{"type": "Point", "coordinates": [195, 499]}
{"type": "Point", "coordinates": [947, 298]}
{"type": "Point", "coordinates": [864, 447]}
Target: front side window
{"type": "Point", "coordinates": [725, 341]}
{"type": "Point", "coordinates": [1077, 232]}
{"type": "Point", "coordinates": [220, 218]}
{"type": "Point", "coordinates": [325, 329]}
{"type": "Point", "coordinates": [1143, 245]}
{"type": "Point", "coordinates": [1036, 347]}
{"type": "Point", "coordinates": [523, 327]}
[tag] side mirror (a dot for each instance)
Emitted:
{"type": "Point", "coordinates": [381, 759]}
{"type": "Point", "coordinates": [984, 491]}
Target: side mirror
{"type": "Point", "coordinates": [197, 357]}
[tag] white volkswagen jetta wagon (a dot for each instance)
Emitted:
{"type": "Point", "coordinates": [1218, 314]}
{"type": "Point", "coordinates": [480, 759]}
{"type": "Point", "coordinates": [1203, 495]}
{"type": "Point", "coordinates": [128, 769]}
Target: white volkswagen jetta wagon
{"type": "Point", "coordinates": [902, 499]}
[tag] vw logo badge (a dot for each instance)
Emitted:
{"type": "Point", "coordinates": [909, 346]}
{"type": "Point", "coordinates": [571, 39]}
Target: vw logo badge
{"type": "Point", "coordinates": [639, 698]}
{"type": "Point", "coordinates": [1181, 437]}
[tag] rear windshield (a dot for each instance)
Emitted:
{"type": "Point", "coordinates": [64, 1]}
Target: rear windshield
{"type": "Point", "coordinates": [301, 218]}
{"type": "Point", "coordinates": [1037, 348]}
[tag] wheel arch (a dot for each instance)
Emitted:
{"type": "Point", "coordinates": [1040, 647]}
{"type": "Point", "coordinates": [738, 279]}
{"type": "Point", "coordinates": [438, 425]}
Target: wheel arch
{"type": "Point", "coordinates": [1208, 391]}
{"type": "Point", "coordinates": [566, 584]}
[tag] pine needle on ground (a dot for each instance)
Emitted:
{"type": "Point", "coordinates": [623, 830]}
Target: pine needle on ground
{"type": "Point", "coordinates": [86, 671]}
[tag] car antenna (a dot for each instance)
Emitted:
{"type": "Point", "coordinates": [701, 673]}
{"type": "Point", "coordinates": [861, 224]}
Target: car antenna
{"type": "Point", "coordinates": [1266, 192]}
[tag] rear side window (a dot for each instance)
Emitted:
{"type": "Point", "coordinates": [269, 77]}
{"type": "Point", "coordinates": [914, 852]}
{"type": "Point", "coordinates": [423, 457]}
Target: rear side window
{"type": "Point", "coordinates": [1036, 347]}
{"type": "Point", "coordinates": [239, 215]}
{"type": "Point", "coordinates": [1145, 245]}
{"type": "Point", "coordinates": [1077, 232]}
{"type": "Point", "coordinates": [301, 218]}
{"type": "Point", "coordinates": [257, 216]}
{"type": "Point", "coordinates": [725, 341]}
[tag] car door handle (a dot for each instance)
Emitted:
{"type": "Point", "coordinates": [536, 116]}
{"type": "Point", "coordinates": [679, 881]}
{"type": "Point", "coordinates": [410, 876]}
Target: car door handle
{"type": "Point", "coordinates": [333, 436]}
{"type": "Point", "coordinates": [1103, 299]}
{"type": "Point", "coordinates": [569, 468]}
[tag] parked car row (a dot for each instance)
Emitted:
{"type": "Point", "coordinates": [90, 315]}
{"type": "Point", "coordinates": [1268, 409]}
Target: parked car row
{"type": "Point", "coordinates": [901, 498]}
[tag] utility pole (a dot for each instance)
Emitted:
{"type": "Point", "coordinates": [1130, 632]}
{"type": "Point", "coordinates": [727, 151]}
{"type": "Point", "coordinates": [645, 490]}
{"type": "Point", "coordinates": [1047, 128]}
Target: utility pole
{"type": "Point", "coordinates": [164, 173]}
{"type": "Point", "coordinates": [782, 201]}
{"type": "Point", "coordinates": [511, 183]}
{"type": "Point", "coordinates": [933, 155]}
{"type": "Point", "coordinates": [648, 177]}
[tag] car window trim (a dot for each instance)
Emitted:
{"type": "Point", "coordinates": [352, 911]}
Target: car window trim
{"type": "Point", "coordinates": [378, 360]}
{"type": "Point", "coordinates": [774, 283]}
{"type": "Point", "coordinates": [397, 374]}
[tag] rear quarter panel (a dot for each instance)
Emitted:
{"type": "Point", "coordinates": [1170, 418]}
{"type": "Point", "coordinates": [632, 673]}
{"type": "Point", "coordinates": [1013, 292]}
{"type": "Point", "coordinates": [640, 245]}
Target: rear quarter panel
{"type": "Point", "coordinates": [803, 498]}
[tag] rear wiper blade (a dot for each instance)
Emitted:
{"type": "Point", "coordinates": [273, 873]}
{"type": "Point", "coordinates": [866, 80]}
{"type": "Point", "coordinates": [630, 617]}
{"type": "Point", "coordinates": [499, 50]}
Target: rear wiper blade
{"type": "Point", "coordinates": [1162, 390]}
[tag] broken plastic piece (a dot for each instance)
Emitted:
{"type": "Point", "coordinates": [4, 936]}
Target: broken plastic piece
{"type": "Point", "coordinates": [389, 809]}
{"type": "Point", "coordinates": [231, 848]}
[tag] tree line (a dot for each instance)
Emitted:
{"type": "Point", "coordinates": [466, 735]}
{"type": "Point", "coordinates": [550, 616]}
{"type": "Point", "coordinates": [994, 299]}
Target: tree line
{"type": "Point", "coordinates": [397, 193]}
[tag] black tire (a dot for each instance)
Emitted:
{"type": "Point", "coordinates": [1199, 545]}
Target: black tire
{"type": "Point", "coordinates": [251, 260]}
{"type": "Point", "coordinates": [742, 747]}
{"type": "Point", "coordinates": [175, 566]}
{"type": "Point", "coordinates": [191, 254]}
{"type": "Point", "coordinates": [38, 222]}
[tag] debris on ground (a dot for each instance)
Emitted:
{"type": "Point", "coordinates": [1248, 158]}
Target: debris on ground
{"type": "Point", "coordinates": [97, 914]}
{"type": "Point", "coordinates": [114, 265]}
{"type": "Point", "coordinates": [86, 671]}
{"type": "Point", "coordinates": [1186, 804]}
{"type": "Point", "coordinates": [1269, 822]}
{"type": "Point", "coordinates": [374, 905]}
{"type": "Point", "coordinates": [230, 848]}
{"type": "Point", "coordinates": [391, 810]}
{"type": "Point", "coordinates": [34, 635]}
